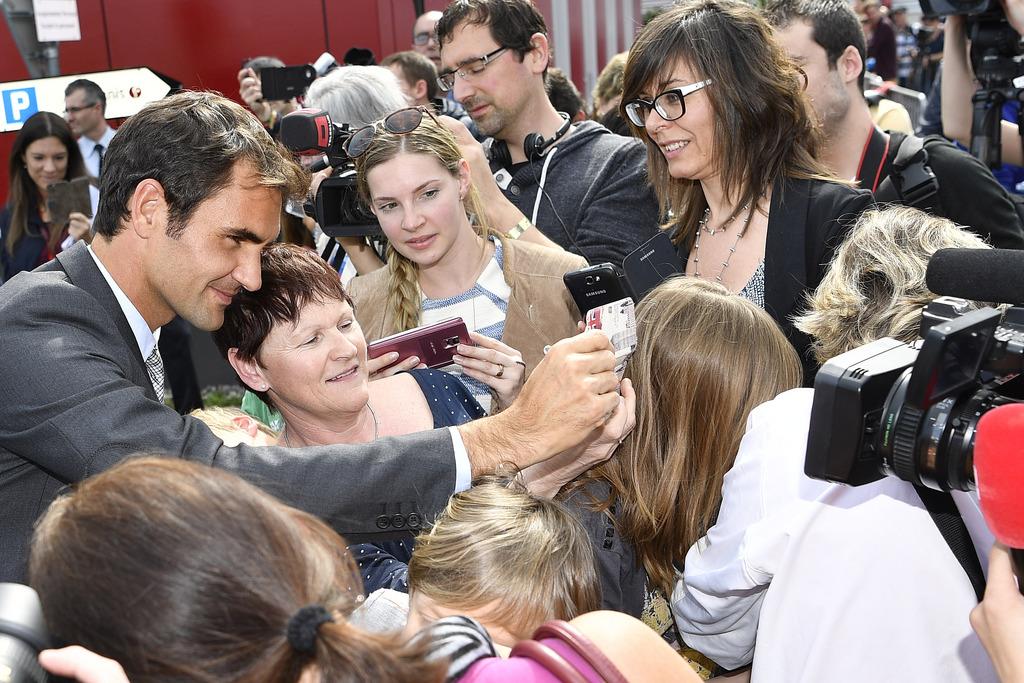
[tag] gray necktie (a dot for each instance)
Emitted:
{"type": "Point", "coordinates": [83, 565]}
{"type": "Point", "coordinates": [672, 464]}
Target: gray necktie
{"type": "Point", "coordinates": [99, 152]}
{"type": "Point", "coordinates": [155, 368]}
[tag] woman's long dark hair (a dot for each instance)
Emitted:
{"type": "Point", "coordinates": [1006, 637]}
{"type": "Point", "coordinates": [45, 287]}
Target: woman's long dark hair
{"type": "Point", "coordinates": [22, 191]}
{"type": "Point", "coordinates": [764, 128]}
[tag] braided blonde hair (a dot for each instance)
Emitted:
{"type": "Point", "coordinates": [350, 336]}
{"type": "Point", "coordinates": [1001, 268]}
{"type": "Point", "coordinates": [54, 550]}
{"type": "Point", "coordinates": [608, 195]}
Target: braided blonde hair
{"type": "Point", "coordinates": [433, 139]}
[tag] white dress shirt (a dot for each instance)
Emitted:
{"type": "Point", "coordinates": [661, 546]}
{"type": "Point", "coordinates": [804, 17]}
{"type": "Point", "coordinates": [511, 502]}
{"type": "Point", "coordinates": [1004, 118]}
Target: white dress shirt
{"type": "Point", "coordinates": [830, 582]}
{"type": "Point", "coordinates": [88, 148]}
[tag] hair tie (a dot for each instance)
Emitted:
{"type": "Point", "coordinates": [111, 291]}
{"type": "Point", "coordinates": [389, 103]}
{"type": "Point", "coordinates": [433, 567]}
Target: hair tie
{"type": "Point", "coordinates": [303, 626]}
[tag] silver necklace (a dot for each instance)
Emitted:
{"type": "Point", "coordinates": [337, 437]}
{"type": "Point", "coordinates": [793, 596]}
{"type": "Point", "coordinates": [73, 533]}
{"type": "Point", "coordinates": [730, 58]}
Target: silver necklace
{"type": "Point", "coordinates": [702, 227]}
{"type": "Point", "coordinates": [376, 427]}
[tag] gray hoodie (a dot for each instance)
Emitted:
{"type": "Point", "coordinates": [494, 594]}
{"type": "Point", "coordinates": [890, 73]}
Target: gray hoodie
{"type": "Point", "coordinates": [597, 201]}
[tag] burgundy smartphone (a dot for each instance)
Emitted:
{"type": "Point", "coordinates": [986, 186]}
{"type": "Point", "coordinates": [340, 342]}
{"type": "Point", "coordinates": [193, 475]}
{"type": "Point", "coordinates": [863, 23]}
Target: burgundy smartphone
{"type": "Point", "coordinates": [433, 344]}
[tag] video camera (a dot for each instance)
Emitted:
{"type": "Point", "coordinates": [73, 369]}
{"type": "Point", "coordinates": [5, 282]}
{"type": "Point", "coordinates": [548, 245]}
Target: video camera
{"type": "Point", "coordinates": [998, 64]}
{"type": "Point", "coordinates": [336, 206]}
{"type": "Point", "coordinates": [911, 410]}
{"type": "Point", "coordinates": [287, 82]}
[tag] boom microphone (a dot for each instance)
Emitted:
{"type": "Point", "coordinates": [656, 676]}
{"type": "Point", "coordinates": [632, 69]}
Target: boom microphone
{"type": "Point", "coordinates": [989, 275]}
{"type": "Point", "coordinates": [999, 473]}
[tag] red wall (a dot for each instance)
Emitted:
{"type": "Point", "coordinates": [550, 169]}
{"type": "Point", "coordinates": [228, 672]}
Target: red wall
{"type": "Point", "coordinates": [202, 43]}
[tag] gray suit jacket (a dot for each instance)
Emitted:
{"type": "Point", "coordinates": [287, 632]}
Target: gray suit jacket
{"type": "Point", "coordinates": [75, 399]}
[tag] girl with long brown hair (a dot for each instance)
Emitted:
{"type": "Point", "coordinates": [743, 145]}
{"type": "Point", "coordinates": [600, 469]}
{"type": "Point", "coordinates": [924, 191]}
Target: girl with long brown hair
{"type": "Point", "coordinates": [44, 153]}
{"type": "Point", "coordinates": [704, 359]}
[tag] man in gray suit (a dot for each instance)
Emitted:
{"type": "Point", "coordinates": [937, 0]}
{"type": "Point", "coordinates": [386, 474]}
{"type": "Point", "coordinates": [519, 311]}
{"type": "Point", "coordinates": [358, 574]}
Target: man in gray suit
{"type": "Point", "coordinates": [192, 190]}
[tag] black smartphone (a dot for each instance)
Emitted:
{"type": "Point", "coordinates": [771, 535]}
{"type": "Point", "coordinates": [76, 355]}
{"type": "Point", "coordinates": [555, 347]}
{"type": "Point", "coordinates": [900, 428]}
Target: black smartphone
{"type": "Point", "coordinates": [651, 263]}
{"type": "Point", "coordinates": [596, 286]}
{"type": "Point", "coordinates": [286, 82]}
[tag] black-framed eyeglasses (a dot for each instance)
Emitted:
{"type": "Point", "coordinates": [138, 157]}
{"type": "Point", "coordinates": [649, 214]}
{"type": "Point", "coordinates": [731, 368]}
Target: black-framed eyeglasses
{"type": "Point", "coordinates": [424, 37]}
{"type": "Point", "coordinates": [399, 122]}
{"type": "Point", "coordinates": [75, 110]}
{"type": "Point", "coordinates": [670, 104]}
{"type": "Point", "coordinates": [446, 80]}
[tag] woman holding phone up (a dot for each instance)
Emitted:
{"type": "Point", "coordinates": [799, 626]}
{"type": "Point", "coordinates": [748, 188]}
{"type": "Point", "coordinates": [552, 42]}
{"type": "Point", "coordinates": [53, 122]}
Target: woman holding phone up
{"type": "Point", "coordinates": [44, 153]}
{"type": "Point", "coordinates": [443, 261]}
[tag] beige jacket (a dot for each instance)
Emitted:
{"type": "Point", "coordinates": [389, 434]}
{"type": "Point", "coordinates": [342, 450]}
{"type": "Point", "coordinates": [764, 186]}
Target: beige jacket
{"type": "Point", "coordinates": [540, 310]}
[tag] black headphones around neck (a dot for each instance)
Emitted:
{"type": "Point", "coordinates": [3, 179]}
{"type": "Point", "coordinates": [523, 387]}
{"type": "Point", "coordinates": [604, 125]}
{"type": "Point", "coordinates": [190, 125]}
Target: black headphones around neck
{"type": "Point", "coordinates": [534, 145]}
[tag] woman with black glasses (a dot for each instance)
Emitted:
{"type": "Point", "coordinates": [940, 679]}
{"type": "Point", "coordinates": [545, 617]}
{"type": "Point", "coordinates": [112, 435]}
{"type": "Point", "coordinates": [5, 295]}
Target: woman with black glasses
{"type": "Point", "coordinates": [444, 261]}
{"type": "Point", "coordinates": [731, 149]}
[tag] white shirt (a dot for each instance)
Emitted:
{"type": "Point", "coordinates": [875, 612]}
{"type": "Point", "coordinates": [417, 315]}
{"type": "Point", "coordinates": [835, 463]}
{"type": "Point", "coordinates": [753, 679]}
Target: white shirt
{"type": "Point", "coordinates": [88, 148]}
{"type": "Point", "coordinates": [144, 337]}
{"type": "Point", "coordinates": [147, 339]}
{"type": "Point", "coordinates": [837, 583]}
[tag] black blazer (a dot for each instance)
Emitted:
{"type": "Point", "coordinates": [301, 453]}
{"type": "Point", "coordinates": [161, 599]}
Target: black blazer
{"type": "Point", "coordinates": [807, 220]}
{"type": "Point", "coordinates": [75, 399]}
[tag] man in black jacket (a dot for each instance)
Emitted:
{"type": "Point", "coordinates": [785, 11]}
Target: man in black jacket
{"type": "Point", "coordinates": [824, 37]}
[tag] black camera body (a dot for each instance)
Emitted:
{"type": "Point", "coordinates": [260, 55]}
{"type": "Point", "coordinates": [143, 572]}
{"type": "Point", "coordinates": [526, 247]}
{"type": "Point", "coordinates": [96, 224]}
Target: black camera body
{"type": "Point", "coordinates": [336, 207]}
{"type": "Point", "coordinates": [966, 7]}
{"type": "Point", "coordinates": [911, 410]}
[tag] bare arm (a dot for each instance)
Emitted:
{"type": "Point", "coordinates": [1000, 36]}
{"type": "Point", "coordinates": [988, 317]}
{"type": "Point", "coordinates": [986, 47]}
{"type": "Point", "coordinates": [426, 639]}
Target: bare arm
{"type": "Point", "coordinates": [959, 85]}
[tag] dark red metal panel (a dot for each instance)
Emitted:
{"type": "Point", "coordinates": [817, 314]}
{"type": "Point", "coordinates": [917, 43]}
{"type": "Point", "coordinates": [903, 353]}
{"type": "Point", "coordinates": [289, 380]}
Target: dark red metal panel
{"type": "Point", "coordinates": [90, 53]}
{"type": "Point", "coordinates": [576, 40]}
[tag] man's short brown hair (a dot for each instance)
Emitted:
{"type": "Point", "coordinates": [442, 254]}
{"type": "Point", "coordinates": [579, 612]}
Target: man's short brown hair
{"type": "Point", "coordinates": [415, 67]}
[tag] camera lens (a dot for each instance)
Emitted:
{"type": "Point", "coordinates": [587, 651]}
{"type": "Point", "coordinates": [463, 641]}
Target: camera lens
{"type": "Point", "coordinates": [590, 280]}
{"type": "Point", "coordinates": [22, 635]}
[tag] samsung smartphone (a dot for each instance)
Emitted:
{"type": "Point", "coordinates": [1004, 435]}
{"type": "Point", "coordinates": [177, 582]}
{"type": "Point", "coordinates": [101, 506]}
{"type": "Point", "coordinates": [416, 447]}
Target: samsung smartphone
{"type": "Point", "coordinates": [596, 286]}
{"type": "Point", "coordinates": [651, 263]}
{"type": "Point", "coordinates": [67, 196]}
{"type": "Point", "coordinates": [433, 344]}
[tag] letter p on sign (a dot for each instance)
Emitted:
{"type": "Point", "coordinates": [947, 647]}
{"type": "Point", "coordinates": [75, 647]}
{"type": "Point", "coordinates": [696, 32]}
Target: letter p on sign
{"type": "Point", "coordinates": [19, 104]}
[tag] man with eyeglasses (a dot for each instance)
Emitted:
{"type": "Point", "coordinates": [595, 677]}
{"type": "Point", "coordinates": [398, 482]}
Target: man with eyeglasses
{"type": "Point", "coordinates": [424, 37]}
{"type": "Point", "coordinates": [85, 107]}
{"type": "Point", "coordinates": [583, 187]}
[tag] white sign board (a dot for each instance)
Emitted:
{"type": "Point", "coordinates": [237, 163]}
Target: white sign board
{"type": "Point", "coordinates": [56, 20]}
{"type": "Point", "coordinates": [127, 91]}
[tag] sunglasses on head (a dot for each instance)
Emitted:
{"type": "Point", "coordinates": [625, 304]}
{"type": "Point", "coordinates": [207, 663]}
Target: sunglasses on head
{"type": "Point", "coordinates": [400, 122]}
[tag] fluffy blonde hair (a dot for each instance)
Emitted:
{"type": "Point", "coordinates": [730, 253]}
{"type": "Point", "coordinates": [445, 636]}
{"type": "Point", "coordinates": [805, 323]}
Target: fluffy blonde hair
{"type": "Point", "coordinates": [875, 286]}
{"type": "Point", "coordinates": [432, 139]}
{"type": "Point", "coordinates": [704, 359]}
{"type": "Point", "coordinates": [497, 542]}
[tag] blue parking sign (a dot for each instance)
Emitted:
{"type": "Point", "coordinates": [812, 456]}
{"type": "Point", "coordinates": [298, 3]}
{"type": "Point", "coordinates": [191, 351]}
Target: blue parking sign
{"type": "Point", "coordinates": [19, 104]}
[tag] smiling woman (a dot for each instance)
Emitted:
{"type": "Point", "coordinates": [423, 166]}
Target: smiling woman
{"type": "Point", "coordinates": [731, 152]}
{"type": "Point", "coordinates": [44, 153]}
{"type": "Point", "coordinates": [296, 343]}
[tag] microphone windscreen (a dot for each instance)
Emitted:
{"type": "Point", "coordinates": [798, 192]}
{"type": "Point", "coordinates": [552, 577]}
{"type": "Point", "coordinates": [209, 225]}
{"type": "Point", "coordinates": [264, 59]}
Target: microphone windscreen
{"type": "Point", "coordinates": [987, 275]}
{"type": "Point", "coordinates": [999, 472]}
{"type": "Point", "coordinates": [307, 131]}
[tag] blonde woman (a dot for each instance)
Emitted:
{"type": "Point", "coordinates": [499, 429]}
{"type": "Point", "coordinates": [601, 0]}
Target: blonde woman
{"type": "Point", "coordinates": [443, 261]}
{"type": "Point", "coordinates": [509, 559]}
{"type": "Point", "coordinates": [704, 359]}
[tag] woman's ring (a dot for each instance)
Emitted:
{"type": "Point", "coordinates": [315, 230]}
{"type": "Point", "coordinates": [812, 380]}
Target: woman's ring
{"type": "Point", "coordinates": [501, 371]}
